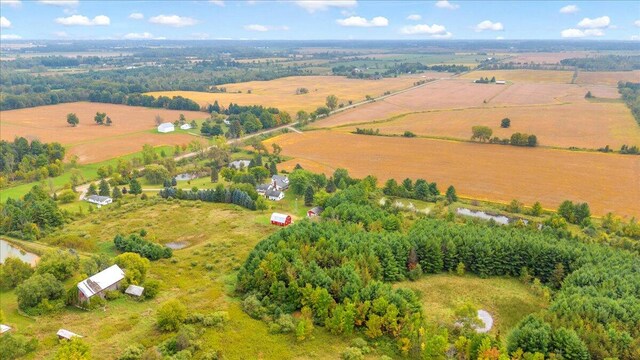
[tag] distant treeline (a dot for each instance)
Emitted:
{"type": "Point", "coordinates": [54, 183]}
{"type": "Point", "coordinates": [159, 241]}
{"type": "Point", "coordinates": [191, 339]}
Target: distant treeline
{"type": "Point", "coordinates": [605, 63]}
{"type": "Point", "coordinates": [631, 96]}
{"type": "Point", "coordinates": [397, 69]}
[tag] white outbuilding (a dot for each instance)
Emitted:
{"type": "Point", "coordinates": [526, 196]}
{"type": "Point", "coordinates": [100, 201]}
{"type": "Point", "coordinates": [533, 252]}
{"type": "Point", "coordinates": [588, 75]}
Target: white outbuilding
{"type": "Point", "coordinates": [185, 126]}
{"type": "Point", "coordinates": [166, 127]}
{"type": "Point", "coordinates": [66, 334]}
{"type": "Point", "coordinates": [99, 200]}
{"type": "Point", "coordinates": [106, 280]}
{"type": "Point", "coordinates": [134, 290]}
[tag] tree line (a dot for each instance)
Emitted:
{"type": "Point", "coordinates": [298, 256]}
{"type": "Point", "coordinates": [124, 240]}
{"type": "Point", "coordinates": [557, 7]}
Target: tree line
{"type": "Point", "coordinates": [24, 160]}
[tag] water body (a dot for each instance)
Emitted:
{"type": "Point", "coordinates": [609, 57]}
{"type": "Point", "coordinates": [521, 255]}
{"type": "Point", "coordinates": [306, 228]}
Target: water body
{"type": "Point", "coordinates": [500, 219]}
{"type": "Point", "coordinates": [177, 245]}
{"type": "Point", "coordinates": [9, 250]}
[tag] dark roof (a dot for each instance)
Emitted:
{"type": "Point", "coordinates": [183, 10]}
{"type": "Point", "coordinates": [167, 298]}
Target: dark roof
{"type": "Point", "coordinates": [316, 210]}
{"type": "Point", "coordinates": [264, 187]}
{"type": "Point", "coordinates": [274, 193]}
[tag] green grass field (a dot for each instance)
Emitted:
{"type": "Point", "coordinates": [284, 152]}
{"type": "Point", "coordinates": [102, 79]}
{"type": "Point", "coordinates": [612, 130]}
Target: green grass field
{"type": "Point", "coordinates": [507, 300]}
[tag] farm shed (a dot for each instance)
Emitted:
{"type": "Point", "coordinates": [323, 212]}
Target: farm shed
{"type": "Point", "coordinates": [280, 219]}
{"type": "Point", "coordinates": [240, 164]}
{"type": "Point", "coordinates": [275, 195]}
{"type": "Point", "coordinates": [185, 126]}
{"type": "Point", "coordinates": [4, 328]}
{"type": "Point", "coordinates": [99, 200]}
{"type": "Point", "coordinates": [134, 290]}
{"type": "Point", "coordinates": [66, 334]}
{"type": "Point", "coordinates": [106, 280]}
{"type": "Point", "coordinates": [315, 211]}
{"type": "Point", "coordinates": [501, 82]}
{"type": "Point", "coordinates": [166, 128]}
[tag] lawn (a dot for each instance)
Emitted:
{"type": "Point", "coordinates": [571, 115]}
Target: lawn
{"type": "Point", "coordinates": [507, 300]}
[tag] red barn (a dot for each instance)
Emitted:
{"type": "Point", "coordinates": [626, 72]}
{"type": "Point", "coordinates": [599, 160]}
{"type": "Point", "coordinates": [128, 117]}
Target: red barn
{"type": "Point", "coordinates": [280, 219]}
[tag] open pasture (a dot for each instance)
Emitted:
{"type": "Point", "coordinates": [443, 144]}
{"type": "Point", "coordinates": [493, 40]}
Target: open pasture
{"type": "Point", "coordinates": [281, 93]}
{"type": "Point", "coordinates": [610, 78]}
{"type": "Point", "coordinates": [530, 76]}
{"type": "Point", "coordinates": [132, 127]}
{"type": "Point", "coordinates": [547, 57]}
{"type": "Point", "coordinates": [583, 125]}
{"type": "Point", "coordinates": [482, 171]}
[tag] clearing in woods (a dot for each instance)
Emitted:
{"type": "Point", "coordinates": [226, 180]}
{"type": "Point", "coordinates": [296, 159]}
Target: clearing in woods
{"type": "Point", "coordinates": [281, 93]}
{"type": "Point", "coordinates": [481, 171]}
{"type": "Point", "coordinates": [597, 125]}
{"type": "Point", "coordinates": [132, 127]}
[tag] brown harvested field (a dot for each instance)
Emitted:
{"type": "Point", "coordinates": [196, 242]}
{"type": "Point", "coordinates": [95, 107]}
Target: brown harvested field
{"type": "Point", "coordinates": [306, 164]}
{"type": "Point", "coordinates": [607, 182]}
{"type": "Point", "coordinates": [530, 76]}
{"type": "Point", "coordinates": [530, 94]}
{"type": "Point", "coordinates": [583, 125]}
{"type": "Point", "coordinates": [547, 57]}
{"type": "Point", "coordinates": [281, 93]}
{"type": "Point", "coordinates": [610, 78]}
{"type": "Point", "coordinates": [132, 127]}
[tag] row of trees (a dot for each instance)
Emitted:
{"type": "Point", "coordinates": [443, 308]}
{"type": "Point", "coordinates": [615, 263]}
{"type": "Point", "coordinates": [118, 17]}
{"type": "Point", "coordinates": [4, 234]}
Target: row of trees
{"type": "Point", "coordinates": [420, 190]}
{"type": "Point", "coordinates": [217, 195]}
{"type": "Point", "coordinates": [483, 134]}
{"type": "Point", "coordinates": [136, 243]}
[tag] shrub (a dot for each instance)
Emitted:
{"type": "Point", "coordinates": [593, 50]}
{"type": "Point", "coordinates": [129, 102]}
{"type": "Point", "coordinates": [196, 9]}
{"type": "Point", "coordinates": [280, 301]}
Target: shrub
{"type": "Point", "coordinates": [38, 288]}
{"type": "Point", "coordinates": [253, 307]}
{"type": "Point", "coordinates": [132, 352]}
{"type": "Point", "coordinates": [460, 269]}
{"type": "Point", "coordinates": [73, 349]}
{"type": "Point", "coordinates": [13, 272]}
{"type": "Point", "coordinates": [284, 324]}
{"type": "Point", "coordinates": [60, 264]}
{"type": "Point", "coordinates": [112, 295]}
{"type": "Point", "coordinates": [352, 353]}
{"type": "Point", "coordinates": [15, 346]}
{"type": "Point", "coordinates": [170, 315]}
{"type": "Point", "coordinates": [151, 289]}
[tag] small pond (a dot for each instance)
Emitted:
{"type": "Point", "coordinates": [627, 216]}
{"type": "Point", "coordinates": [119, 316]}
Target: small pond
{"type": "Point", "coordinates": [177, 245]}
{"type": "Point", "coordinates": [9, 250]}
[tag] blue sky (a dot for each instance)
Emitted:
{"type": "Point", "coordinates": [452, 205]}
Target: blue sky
{"type": "Point", "coordinates": [309, 20]}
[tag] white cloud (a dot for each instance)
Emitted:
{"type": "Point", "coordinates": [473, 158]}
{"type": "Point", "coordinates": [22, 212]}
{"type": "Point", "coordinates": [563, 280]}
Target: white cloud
{"type": "Point", "coordinates": [636, 23]}
{"type": "Point", "coordinates": [173, 20]}
{"type": "Point", "coordinates": [635, 37]}
{"type": "Point", "coordinates": [136, 16]}
{"type": "Point", "coordinates": [358, 21]}
{"type": "Point", "coordinates": [489, 25]}
{"type": "Point", "coordinates": [321, 5]}
{"type": "Point", "coordinates": [217, 2]}
{"type": "Point", "coordinates": [572, 33]}
{"type": "Point", "coordinates": [138, 36]}
{"type": "Point", "coordinates": [4, 22]}
{"type": "Point", "coordinates": [433, 30]}
{"type": "Point", "coordinates": [60, 2]}
{"type": "Point", "coordinates": [264, 28]}
{"type": "Point", "coordinates": [61, 34]}
{"type": "Point", "coordinates": [10, 37]}
{"type": "Point", "coordinates": [597, 23]}
{"type": "Point", "coordinates": [12, 3]}
{"type": "Point", "coordinates": [569, 9]}
{"type": "Point", "coordinates": [499, 37]}
{"type": "Point", "coordinates": [446, 35]}
{"type": "Point", "coordinates": [444, 4]}
{"type": "Point", "coordinates": [80, 20]}
{"type": "Point", "coordinates": [414, 17]}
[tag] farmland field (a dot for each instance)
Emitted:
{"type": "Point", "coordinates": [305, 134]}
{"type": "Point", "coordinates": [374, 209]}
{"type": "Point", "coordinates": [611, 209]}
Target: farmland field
{"type": "Point", "coordinates": [607, 77]}
{"type": "Point", "coordinates": [533, 76]}
{"type": "Point", "coordinates": [481, 171]}
{"type": "Point", "coordinates": [583, 125]}
{"type": "Point", "coordinates": [548, 57]}
{"type": "Point", "coordinates": [281, 93]}
{"type": "Point", "coordinates": [132, 127]}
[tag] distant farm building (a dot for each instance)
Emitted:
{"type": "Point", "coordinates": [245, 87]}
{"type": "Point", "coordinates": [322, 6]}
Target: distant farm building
{"type": "Point", "coordinates": [166, 128]}
{"type": "Point", "coordinates": [185, 126]}
{"type": "Point", "coordinates": [501, 82]}
{"type": "Point", "coordinates": [275, 195]}
{"type": "Point", "coordinates": [315, 211]}
{"type": "Point", "coordinates": [66, 334]}
{"type": "Point", "coordinates": [240, 164]}
{"type": "Point", "coordinates": [4, 328]}
{"type": "Point", "coordinates": [106, 280]}
{"type": "Point", "coordinates": [280, 219]}
{"type": "Point", "coordinates": [134, 290]}
{"type": "Point", "coordinates": [99, 200]}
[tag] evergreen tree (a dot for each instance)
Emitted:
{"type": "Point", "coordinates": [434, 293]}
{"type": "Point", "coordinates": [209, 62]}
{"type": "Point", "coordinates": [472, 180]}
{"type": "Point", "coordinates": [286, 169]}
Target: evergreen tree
{"type": "Point", "coordinates": [214, 174]}
{"type": "Point", "coordinates": [273, 170]}
{"type": "Point", "coordinates": [93, 190]}
{"type": "Point", "coordinates": [451, 194]}
{"type": "Point", "coordinates": [134, 187]}
{"type": "Point", "coordinates": [308, 196]}
{"type": "Point", "coordinates": [116, 193]}
{"type": "Point", "coordinates": [331, 186]}
{"type": "Point", "coordinates": [104, 189]}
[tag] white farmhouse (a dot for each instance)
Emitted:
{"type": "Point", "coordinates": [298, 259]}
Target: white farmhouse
{"type": "Point", "coordinates": [166, 127]}
{"type": "Point", "coordinates": [99, 200]}
{"type": "Point", "coordinates": [274, 195]}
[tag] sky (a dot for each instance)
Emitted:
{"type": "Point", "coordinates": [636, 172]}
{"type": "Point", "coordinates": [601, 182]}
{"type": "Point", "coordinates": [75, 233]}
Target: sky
{"type": "Point", "coordinates": [318, 20]}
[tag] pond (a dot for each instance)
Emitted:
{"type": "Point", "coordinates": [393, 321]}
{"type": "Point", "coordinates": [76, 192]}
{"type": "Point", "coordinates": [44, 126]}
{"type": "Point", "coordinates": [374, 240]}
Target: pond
{"type": "Point", "coordinates": [9, 250]}
{"type": "Point", "coordinates": [177, 245]}
{"type": "Point", "coordinates": [500, 219]}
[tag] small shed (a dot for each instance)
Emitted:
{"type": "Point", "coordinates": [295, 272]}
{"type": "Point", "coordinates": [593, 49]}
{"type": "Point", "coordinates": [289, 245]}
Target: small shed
{"type": "Point", "coordinates": [315, 211]}
{"type": "Point", "coordinates": [274, 195]}
{"type": "Point", "coordinates": [240, 164]}
{"type": "Point", "coordinates": [185, 126]}
{"type": "Point", "coordinates": [280, 219]}
{"type": "Point", "coordinates": [4, 328]}
{"type": "Point", "coordinates": [134, 290]}
{"type": "Point", "coordinates": [66, 334]}
{"type": "Point", "coordinates": [99, 200]}
{"type": "Point", "coordinates": [501, 82]}
{"type": "Point", "coordinates": [106, 280]}
{"type": "Point", "coordinates": [166, 127]}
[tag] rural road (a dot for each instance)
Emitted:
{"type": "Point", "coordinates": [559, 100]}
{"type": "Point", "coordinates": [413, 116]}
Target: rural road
{"type": "Point", "coordinates": [82, 189]}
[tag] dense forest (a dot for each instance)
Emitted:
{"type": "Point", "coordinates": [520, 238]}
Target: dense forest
{"type": "Point", "coordinates": [631, 96]}
{"type": "Point", "coordinates": [243, 119]}
{"type": "Point", "coordinates": [605, 63]}
{"type": "Point", "coordinates": [338, 273]}
{"type": "Point", "coordinates": [21, 160]}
